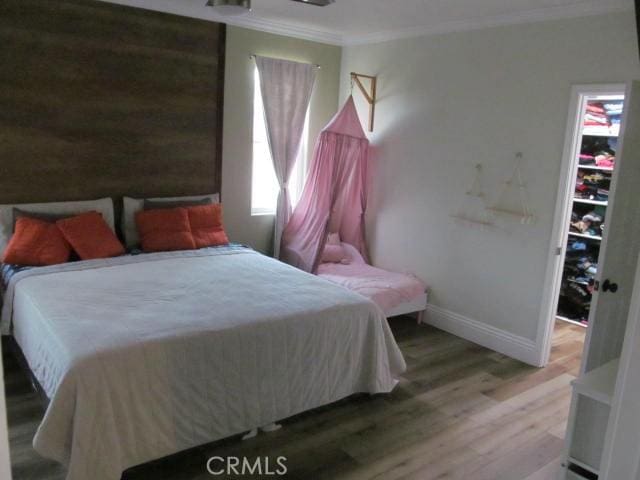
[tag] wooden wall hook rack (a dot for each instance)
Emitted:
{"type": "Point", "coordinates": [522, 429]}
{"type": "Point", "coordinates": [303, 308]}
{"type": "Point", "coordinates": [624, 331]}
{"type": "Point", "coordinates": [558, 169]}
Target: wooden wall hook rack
{"type": "Point", "coordinates": [369, 94]}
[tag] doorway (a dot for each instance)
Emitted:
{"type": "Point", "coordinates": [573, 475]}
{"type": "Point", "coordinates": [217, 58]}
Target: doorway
{"type": "Point", "coordinates": [585, 189]}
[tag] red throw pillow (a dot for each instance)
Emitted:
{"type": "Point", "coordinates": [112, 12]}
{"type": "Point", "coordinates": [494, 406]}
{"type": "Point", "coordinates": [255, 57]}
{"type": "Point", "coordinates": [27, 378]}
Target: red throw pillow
{"type": "Point", "coordinates": [165, 230]}
{"type": "Point", "coordinates": [90, 236]}
{"type": "Point", "coordinates": [36, 243]}
{"type": "Point", "coordinates": [206, 225]}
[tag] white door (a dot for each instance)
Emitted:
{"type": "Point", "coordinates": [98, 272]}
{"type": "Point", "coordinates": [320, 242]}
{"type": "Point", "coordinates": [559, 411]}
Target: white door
{"type": "Point", "coordinates": [620, 247]}
{"type": "Point", "coordinates": [621, 454]}
{"type": "Point", "coordinates": [621, 310]}
{"type": "Point", "coordinates": [610, 309]}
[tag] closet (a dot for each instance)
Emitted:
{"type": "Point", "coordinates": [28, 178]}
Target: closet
{"type": "Point", "coordinates": [595, 161]}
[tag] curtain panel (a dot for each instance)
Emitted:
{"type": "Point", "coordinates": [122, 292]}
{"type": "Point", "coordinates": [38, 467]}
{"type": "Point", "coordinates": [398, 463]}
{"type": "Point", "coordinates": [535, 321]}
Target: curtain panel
{"type": "Point", "coordinates": [286, 89]}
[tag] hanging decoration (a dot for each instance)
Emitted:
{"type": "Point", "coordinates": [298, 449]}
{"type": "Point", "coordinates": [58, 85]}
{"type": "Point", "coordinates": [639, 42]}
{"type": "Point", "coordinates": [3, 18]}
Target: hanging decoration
{"type": "Point", "coordinates": [474, 207]}
{"type": "Point", "coordinates": [515, 182]}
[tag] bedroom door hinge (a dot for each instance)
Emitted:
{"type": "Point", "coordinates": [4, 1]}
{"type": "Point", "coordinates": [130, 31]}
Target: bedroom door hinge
{"type": "Point", "coordinates": [558, 251]}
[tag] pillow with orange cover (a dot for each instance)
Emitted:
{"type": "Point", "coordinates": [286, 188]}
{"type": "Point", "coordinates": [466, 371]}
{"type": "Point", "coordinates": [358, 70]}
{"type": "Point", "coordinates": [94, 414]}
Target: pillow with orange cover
{"type": "Point", "coordinates": [90, 236]}
{"type": "Point", "coordinates": [206, 225]}
{"type": "Point", "coordinates": [164, 230]}
{"type": "Point", "coordinates": [36, 243]}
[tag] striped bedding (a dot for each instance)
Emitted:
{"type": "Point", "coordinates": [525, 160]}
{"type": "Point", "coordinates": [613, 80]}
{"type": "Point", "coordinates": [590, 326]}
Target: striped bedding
{"type": "Point", "coordinates": [143, 356]}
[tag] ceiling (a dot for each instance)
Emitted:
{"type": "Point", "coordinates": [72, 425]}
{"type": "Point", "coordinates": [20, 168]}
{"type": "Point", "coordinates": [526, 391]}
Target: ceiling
{"type": "Point", "coordinates": [349, 22]}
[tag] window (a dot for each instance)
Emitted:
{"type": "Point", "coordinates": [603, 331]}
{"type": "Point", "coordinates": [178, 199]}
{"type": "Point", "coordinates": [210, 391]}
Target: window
{"type": "Point", "coordinates": [264, 185]}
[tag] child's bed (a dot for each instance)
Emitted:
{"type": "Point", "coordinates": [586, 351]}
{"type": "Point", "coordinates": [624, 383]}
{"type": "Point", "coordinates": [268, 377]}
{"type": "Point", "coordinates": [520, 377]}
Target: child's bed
{"type": "Point", "coordinates": [395, 293]}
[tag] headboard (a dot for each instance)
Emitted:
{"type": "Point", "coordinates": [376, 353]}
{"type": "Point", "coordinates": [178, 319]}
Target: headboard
{"type": "Point", "coordinates": [98, 100]}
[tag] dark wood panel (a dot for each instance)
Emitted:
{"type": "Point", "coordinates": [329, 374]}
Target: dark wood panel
{"type": "Point", "coordinates": [105, 100]}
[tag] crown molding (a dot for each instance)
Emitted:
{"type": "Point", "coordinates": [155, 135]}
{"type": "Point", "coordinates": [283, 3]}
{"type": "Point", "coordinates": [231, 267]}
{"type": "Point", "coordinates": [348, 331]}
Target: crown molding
{"type": "Point", "coordinates": [286, 29]}
{"type": "Point", "coordinates": [584, 9]}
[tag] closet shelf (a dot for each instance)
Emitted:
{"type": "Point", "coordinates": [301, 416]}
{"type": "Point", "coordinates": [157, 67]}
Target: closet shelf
{"type": "Point", "coordinates": [590, 202]}
{"type": "Point", "coordinates": [595, 167]}
{"type": "Point", "coordinates": [587, 133]}
{"type": "Point", "coordinates": [599, 383]}
{"type": "Point", "coordinates": [583, 235]}
{"type": "Point", "coordinates": [610, 135]}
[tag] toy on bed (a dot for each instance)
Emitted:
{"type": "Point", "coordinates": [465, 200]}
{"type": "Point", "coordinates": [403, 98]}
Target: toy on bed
{"type": "Point", "coordinates": [325, 234]}
{"type": "Point", "coordinates": [395, 293]}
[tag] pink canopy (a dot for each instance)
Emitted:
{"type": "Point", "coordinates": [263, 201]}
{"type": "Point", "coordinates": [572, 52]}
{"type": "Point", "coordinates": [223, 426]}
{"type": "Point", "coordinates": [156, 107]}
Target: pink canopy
{"type": "Point", "coordinates": [334, 197]}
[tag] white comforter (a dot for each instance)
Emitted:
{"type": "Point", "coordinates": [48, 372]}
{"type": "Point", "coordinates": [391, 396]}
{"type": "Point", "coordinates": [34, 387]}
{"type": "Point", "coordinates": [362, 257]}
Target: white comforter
{"type": "Point", "coordinates": [148, 355]}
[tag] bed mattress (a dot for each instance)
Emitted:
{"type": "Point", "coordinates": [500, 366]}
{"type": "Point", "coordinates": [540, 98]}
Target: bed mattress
{"type": "Point", "coordinates": [387, 289]}
{"type": "Point", "coordinates": [144, 356]}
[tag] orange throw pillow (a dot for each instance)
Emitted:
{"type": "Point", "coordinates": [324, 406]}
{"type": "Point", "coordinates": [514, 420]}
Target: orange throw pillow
{"type": "Point", "coordinates": [36, 243]}
{"type": "Point", "coordinates": [90, 236]}
{"type": "Point", "coordinates": [206, 225]}
{"type": "Point", "coordinates": [165, 230]}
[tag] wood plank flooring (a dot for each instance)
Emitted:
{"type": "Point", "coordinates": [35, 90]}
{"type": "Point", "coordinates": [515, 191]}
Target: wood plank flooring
{"type": "Point", "coordinates": [460, 412]}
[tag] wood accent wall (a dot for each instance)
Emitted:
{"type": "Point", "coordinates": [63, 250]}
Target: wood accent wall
{"type": "Point", "coordinates": [98, 100]}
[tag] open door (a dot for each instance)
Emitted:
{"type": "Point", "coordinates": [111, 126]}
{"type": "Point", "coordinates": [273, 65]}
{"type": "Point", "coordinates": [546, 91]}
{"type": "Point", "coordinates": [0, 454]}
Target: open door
{"type": "Point", "coordinates": [621, 454]}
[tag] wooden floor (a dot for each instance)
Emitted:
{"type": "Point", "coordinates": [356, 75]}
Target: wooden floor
{"type": "Point", "coordinates": [460, 412]}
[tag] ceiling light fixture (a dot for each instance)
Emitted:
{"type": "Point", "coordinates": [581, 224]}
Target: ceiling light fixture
{"type": "Point", "coordinates": [230, 7]}
{"type": "Point", "coordinates": [317, 3]}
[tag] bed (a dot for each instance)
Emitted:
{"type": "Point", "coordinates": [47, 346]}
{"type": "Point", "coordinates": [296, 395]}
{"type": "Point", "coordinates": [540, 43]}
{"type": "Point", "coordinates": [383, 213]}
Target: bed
{"type": "Point", "coordinates": [142, 356]}
{"type": "Point", "coordinates": [395, 293]}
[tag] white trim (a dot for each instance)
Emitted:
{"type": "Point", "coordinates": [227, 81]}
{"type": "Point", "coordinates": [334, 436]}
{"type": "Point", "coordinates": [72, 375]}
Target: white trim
{"type": "Point", "coordinates": [286, 29]}
{"type": "Point", "coordinates": [514, 346]}
{"type": "Point", "coordinates": [559, 233]}
{"type": "Point", "coordinates": [292, 29]}
{"type": "Point", "coordinates": [530, 16]}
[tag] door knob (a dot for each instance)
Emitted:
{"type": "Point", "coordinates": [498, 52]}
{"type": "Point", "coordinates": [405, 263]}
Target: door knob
{"type": "Point", "coordinates": [608, 286]}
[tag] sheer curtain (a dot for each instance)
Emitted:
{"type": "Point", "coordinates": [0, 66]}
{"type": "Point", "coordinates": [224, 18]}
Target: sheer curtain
{"type": "Point", "coordinates": [286, 88]}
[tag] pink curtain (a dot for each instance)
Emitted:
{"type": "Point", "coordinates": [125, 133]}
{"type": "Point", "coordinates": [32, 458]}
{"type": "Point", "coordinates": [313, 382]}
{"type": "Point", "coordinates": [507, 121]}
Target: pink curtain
{"type": "Point", "coordinates": [334, 195]}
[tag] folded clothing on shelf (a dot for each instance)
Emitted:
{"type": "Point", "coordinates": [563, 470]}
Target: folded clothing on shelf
{"type": "Point", "coordinates": [589, 223]}
{"type": "Point", "coordinates": [584, 159]}
{"type": "Point", "coordinates": [613, 108]}
{"type": "Point", "coordinates": [605, 160]}
{"type": "Point", "coordinates": [598, 145]}
{"type": "Point", "coordinates": [596, 119]}
{"type": "Point", "coordinates": [596, 107]}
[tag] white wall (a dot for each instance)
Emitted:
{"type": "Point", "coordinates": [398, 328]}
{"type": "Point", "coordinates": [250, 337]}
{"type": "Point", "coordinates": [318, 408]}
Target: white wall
{"type": "Point", "coordinates": [257, 231]}
{"type": "Point", "coordinates": [450, 101]}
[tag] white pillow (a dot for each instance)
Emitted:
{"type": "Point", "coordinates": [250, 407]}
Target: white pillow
{"type": "Point", "coordinates": [133, 205]}
{"type": "Point", "coordinates": [103, 205]}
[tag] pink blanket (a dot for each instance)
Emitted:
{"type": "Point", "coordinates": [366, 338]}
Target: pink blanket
{"type": "Point", "coordinates": [387, 289]}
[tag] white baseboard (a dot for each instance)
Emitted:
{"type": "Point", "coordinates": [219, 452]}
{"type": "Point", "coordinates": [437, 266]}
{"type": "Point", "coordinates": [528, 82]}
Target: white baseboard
{"type": "Point", "coordinates": [490, 337]}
